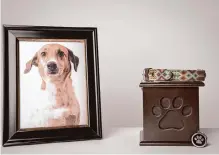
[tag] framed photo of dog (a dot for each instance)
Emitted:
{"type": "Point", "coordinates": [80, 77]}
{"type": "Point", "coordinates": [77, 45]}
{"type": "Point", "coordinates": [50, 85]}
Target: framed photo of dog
{"type": "Point", "coordinates": [51, 85]}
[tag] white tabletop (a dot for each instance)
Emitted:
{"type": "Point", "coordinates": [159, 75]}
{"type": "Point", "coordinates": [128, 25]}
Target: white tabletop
{"type": "Point", "coordinates": [118, 140]}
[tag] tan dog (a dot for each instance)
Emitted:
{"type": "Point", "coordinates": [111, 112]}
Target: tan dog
{"type": "Point", "coordinates": [53, 62]}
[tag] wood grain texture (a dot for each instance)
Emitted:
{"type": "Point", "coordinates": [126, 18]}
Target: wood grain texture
{"type": "Point", "coordinates": [172, 84]}
{"type": "Point", "coordinates": [170, 113]}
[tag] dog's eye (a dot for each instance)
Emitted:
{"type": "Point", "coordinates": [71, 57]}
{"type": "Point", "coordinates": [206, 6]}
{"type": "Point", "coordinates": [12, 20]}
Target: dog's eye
{"type": "Point", "coordinates": [60, 53]}
{"type": "Point", "coordinates": [43, 54]}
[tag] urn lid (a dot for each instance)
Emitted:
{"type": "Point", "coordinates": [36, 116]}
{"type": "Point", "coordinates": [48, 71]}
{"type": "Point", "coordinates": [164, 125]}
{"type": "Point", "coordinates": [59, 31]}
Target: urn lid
{"type": "Point", "coordinates": [173, 77]}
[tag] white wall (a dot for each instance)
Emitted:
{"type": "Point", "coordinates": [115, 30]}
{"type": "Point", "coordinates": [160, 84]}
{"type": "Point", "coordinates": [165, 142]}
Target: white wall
{"type": "Point", "coordinates": [133, 35]}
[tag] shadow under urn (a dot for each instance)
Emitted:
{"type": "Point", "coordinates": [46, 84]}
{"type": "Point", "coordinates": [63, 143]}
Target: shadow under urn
{"type": "Point", "coordinates": [170, 106]}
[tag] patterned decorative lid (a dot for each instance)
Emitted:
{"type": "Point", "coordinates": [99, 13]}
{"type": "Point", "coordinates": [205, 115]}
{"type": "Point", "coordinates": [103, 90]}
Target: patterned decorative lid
{"type": "Point", "coordinates": [176, 75]}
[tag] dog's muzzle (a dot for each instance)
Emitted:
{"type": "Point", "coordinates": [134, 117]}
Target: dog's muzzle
{"type": "Point", "coordinates": [52, 68]}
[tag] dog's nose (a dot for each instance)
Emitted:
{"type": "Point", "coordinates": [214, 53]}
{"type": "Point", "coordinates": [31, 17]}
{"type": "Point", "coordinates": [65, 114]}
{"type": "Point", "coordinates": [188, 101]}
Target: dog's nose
{"type": "Point", "coordinates": [52, 66]}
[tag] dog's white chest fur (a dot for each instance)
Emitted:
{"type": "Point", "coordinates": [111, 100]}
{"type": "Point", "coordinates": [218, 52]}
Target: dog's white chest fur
{"type": "Point", "coordinates": [51, 92]}
{"type": "Point", "coordinates": [40, 117]}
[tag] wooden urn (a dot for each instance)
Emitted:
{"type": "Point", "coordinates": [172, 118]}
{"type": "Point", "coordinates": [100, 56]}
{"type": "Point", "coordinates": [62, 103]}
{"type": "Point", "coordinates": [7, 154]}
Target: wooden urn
{"type": "Point", "coordinates": [170, 112]}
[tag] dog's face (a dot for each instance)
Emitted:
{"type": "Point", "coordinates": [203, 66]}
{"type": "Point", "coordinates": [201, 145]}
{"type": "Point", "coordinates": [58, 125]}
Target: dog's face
{"type": "Point", "coordinates": [53, 62]}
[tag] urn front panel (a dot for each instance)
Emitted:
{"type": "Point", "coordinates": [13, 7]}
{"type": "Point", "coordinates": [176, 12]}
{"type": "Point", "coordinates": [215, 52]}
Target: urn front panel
{"type": "Point", "coordinates": [171, 114]}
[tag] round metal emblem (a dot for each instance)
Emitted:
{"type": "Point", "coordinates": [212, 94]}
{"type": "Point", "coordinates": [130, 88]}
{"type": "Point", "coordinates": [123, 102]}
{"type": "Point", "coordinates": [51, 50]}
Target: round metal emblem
{"type": "Point", "coordinates": [199, 139]}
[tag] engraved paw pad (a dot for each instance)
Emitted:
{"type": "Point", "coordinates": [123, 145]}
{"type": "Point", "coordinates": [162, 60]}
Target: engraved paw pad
{"type": "Point", "coordinates": [171, 113]}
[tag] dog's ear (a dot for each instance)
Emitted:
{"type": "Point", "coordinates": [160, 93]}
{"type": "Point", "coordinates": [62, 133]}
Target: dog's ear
{"type": "Point", "coordinates": [30, 63]}
{"type": "Point", "coordinates": [74, 59]}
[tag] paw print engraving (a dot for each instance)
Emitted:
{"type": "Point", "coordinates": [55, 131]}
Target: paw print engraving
{"type": "Point", "coordinates": [199, 140]}
{"type": "Point", "coordinates": [171, 113]}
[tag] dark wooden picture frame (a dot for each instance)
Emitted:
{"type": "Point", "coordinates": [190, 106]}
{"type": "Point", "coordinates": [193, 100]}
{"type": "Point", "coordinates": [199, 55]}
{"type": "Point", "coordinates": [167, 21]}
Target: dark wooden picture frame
{"type": "Point", "coordinates": [12, 135]}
